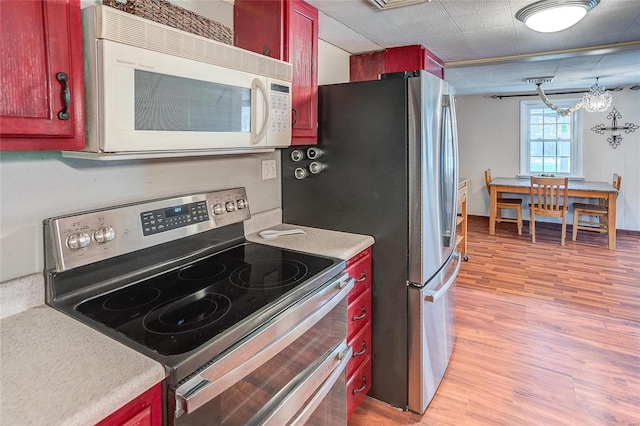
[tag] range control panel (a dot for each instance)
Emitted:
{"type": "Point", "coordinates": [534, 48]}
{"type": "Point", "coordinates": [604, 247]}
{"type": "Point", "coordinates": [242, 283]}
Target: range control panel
{"type": "Point", "coordinates": [174, 217]}
{"type": "Point", "coordinates": [84, 238]}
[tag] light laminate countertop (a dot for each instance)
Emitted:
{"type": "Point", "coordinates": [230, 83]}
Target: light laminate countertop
{"type": "Point", "coordinates": [54, 370]}
{"type": "Point", "coordinates": [341, 245]}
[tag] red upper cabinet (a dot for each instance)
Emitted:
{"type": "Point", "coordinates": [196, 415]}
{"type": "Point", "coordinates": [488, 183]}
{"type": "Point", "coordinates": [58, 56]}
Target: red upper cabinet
{"type": "Point", "coordinates": [41, 73]}
{"type": "Point", "coordinates": [368, 66]}
{"type": "Point", "coordinates": [286, 30]}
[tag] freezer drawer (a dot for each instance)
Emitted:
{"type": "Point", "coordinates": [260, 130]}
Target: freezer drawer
{"type": "Point", "coordinates": [431, 333]}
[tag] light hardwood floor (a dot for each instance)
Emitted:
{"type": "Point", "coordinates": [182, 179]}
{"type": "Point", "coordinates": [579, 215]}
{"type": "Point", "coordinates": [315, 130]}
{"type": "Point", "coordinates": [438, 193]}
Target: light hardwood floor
{"type": "Point", "coordinates": [546, 335]}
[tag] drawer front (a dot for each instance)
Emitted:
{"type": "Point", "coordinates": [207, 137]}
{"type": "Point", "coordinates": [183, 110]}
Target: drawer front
{"type": "Point", "coordinates": [358, 386]}
{"type": "Point", "coordinates": [361, 345]}
{"type": "Point", "coordinates": [359, 313]}
{"type": "Point", "coordinates": [364, 253]}
{"type": "Point", "coordinates": [361, 271]}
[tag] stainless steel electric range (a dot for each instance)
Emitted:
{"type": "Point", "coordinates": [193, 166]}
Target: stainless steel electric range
{"type": "Point", "coordinates": [247, 333]}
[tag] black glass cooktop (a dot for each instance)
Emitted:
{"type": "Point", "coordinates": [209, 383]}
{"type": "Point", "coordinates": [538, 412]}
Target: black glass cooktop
{"type": "Point", "coordinates": [182, 309]}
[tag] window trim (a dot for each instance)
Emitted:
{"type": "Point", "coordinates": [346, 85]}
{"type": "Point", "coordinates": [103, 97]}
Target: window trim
{"type": "Point", "coordinates": [576, 145]}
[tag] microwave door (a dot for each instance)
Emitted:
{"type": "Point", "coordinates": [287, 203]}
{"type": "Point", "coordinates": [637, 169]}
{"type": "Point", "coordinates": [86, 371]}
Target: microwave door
{"type": "Point", "coordinates": [157, 102]}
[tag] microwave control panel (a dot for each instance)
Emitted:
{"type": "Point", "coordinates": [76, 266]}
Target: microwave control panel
{"type": "Point", "coordinates": [280, 110]}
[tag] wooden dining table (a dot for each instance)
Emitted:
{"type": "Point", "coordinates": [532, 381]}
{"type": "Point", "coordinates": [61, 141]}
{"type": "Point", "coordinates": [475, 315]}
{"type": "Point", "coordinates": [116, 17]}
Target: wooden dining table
{"type": "Point", "coordinates": [582, 189]}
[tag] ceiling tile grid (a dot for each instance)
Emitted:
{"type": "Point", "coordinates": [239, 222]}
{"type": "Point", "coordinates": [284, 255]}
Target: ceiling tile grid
{"type": "Point", "coordinates": [465, 31]}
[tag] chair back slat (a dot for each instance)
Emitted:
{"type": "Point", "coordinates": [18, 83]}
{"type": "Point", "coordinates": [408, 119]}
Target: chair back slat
{"type": "Point", "coordinates": [549, 195]}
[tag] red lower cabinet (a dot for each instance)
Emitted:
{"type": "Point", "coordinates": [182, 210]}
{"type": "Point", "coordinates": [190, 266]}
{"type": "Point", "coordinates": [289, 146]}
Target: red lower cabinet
{"type": "Point", "coordinates": [358, 386]}
{"type": "Point", "coordinates": [145, 410]}
{"type": "Point", "coordinates": [359, 329]}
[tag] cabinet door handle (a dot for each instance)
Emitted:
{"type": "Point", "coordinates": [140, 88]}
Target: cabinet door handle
{"type": "Point", "coordinates": [66, 95]}
{"type": "Point", "coordinates": [295, 117]}
{"type": "Point", "coordinates": [360, 389]}
{"type": "Point", "coordinates": [363, 277]}
{"type": "Point", "coordinates": [359, 317]}
{"type": "Point", "coordinates": [363, 351]}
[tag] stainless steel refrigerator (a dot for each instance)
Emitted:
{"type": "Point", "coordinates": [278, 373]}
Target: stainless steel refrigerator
{"type": "Point", "coordinates": [387, 166]}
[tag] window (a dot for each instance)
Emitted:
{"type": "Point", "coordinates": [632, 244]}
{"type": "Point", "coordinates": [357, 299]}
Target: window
{"type": "Point", "coordinates": [549, 142]}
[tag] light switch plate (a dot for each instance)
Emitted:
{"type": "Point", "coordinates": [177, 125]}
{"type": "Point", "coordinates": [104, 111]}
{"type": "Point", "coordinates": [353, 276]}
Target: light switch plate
{"type": "Point", "coordinates": [269, 169]}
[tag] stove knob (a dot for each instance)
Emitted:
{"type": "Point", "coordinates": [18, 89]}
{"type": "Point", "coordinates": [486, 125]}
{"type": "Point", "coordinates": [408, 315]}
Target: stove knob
{"type": "Point", "coordinates": [104, 235]}
{"type": "Point", "coordinates": [231, 206]}
{"type": "Point", "coordinates": [242, 204]}
{"type": "Point", "coordinates": [78, 241]}
{"type": "Point", "coordinates": [219, 209]}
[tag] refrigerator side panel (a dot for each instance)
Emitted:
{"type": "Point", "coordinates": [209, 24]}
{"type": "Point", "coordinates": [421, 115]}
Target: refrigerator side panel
{"type": "Point", "coordinates": [363, 189]}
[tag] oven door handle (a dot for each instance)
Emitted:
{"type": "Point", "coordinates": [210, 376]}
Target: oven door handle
{"type": "Point", "coordinates": [312, 389]}
{"type": "Point", "coordinates": [260, 346]}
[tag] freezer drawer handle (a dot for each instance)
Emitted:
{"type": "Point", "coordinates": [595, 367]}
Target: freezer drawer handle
{"type": "Point", "coordinates": [363, 387]}
{"type": "Point", "coordinates": [359, 317]}
{"type": "Point", "coordinates": [363, 351]}
{"type": "Point", "coordinates": [362, 278]}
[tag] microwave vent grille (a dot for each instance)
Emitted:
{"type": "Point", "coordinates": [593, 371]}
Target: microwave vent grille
{"type": "Point", "coordinates": [121, 27]}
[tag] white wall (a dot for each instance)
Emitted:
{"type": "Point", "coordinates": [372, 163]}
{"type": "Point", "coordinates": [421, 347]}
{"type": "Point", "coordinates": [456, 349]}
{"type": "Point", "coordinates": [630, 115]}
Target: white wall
{"type": "Point", "coordinates": [333, 64]}
{"type": "Point", "coordinates": [489, 138]}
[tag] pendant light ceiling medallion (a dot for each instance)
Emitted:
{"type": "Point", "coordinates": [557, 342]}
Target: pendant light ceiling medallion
{"type": "Point", "coordinates": [548, 16]}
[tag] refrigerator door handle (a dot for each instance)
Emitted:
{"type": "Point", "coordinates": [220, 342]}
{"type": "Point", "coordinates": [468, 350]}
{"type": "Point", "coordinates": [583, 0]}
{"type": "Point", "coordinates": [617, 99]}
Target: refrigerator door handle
{"type": "Point", "coordinates": [449, 157]}
{"type": "Point", "coordinates": [432, 296]}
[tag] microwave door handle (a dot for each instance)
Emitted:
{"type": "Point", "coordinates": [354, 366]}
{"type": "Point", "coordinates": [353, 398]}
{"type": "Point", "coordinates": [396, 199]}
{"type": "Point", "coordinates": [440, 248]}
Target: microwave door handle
{"type": "Point", "coordinates": [258, 86]}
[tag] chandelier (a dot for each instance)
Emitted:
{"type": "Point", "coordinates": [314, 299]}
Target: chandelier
{"type": "Point", "coordinates": [597, 99]}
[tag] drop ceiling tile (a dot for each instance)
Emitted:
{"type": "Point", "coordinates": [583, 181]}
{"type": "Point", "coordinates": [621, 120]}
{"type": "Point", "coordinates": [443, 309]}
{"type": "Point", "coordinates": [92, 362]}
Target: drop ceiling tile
{"type": "Point", "coordinates": [416, 13]}
{"type": "Point", "coordinates": [484, 20]}
{"type": "Point", "coordinates": [469, 7]}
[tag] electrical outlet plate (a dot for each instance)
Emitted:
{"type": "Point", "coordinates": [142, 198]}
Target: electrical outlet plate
{"type": "Point", "coordinates": [269, 169]}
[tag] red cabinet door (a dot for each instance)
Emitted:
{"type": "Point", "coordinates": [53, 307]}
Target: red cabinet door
{"type": "Point", "coordinates": [258, 26]}
{"type": "Point", "coordinates": [41, 73]}
{"type": "Point", "coordinates": [301, 50]}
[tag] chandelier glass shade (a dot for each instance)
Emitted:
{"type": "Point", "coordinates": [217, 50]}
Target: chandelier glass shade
{"type": "Point", "coordinates": [597, 99]}
{"type": "Point", "coordinates": [548, 16]}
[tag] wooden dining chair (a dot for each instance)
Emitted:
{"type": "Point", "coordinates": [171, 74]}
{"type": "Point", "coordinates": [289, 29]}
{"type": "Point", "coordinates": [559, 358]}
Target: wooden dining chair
{"type": "Point", "coordinates": [505, 203]}
{"type": "Point", "coordinates": [548, 198]}
{"type": "Point", "coordinates": [597, 213]}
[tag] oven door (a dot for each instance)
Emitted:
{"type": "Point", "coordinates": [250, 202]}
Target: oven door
{"type": "Point", "coordinates": [295, 377]}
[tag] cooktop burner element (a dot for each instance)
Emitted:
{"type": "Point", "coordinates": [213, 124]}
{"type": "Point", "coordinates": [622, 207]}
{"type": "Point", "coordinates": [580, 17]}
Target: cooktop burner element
{"type": "Point", "coordinates": [267, 274]}
{"type": "Point", "coordinates": [184, 314]}
{"type": "Point", "coordinates": [182, 309]}
{"type": "Point", "coordinates": [131, 299]}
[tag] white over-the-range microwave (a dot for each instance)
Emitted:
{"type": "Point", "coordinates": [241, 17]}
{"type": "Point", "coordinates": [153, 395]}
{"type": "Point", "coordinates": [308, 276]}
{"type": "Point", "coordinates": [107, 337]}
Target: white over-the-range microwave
{"type": "Point", "coordinates": [154, 91]}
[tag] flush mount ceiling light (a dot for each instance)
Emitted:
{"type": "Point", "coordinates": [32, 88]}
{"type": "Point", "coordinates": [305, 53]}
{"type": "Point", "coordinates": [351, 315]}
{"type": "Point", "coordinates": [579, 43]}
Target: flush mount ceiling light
{"type": "Point", "coordinates": [548, 16]}
{"type": "Point", "coordinates": [597, 99]}
{"type": "Point", "coordinates": [390, 4]}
